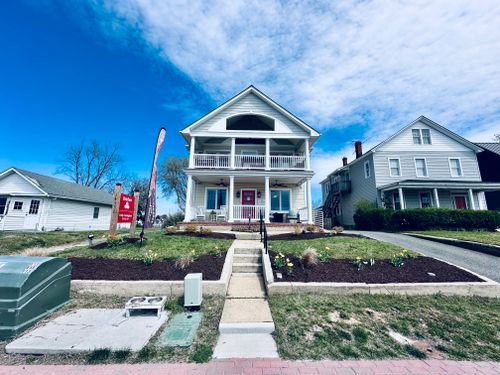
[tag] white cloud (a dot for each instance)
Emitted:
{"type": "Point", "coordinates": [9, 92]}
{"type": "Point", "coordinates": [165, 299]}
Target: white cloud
{"type": "Point", "coordinates": [336, 63]}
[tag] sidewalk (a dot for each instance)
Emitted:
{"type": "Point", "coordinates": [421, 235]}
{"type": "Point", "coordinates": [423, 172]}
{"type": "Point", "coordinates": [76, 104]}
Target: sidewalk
{"type": "Point", "coordinates": [270, 367]}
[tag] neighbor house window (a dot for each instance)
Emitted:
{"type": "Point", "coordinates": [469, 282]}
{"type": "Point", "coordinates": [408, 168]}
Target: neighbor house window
{"type": "Point", "coordinates": [367, 169]}
{"type": "Point", "coordinates": [280, 200]}
{"type": "Point", "coordinates": [395, 167]}
{"type": "Point", "coordinates": [18, 205]}
{"type": "Point", "coordinates": [425, 200]}
{"type": "Point", "coordinates": [34, 205]}
{"type": "Point", "coordinates": [421, 167]}
{"type": "Point", "coordinates": [397, 201]}
{"type": "Point", "coordinates": [216, 198]}
{"type": "Point", "coordinates": [421, 136]}
{"type": "Point", "coordinates": [455, 168]}
{"type": "Point", "coordinates": [96, 213]}
{"type": "Point", "coordinates": [3, 205]}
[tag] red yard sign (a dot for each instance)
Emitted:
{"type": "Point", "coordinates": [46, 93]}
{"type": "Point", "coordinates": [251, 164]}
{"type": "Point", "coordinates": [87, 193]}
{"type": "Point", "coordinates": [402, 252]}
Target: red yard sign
{"type": "Point", "coordinates": [126, 210]}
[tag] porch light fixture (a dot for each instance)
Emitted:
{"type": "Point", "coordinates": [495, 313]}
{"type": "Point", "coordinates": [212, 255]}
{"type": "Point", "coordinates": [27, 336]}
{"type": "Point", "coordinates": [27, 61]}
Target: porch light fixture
{"type": "Point", "coordinates": [259, 194]}
{"type": "Point", "coordinates": [238, 194]}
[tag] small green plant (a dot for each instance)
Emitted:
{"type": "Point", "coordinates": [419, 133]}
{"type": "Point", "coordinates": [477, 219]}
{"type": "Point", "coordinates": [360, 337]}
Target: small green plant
{"type": "Point", "coordinates": [202, 353]}
{"type": "Point", "coordinates": [310, 228]}
{"type": "Point", "coordinates": [191, 228]}
{"type": "Point", "coordinates": [297, 230]}
{"type": "Point", "coordinates": [121, 355]}
{"type": "Point", "coordinates": [279, 260]}
{"type": "Point", "coordinates": [415, 352]}
{"type": "Point", "coordinates": [324, 254]}
{"type": "Point", "coordinates": [149, 257]}
{"type": "Point", "coordinates": [360, 335]}
{"type": "Point", "coordinates": [98, 355]}
{"type": "Point", "coordinates": [398, 260]}
{"type": "Point", "coordinates": [114, 241]}
{"type": "Point", "coordinates": [146, 353]}
{"type": "Point", "coordinates": [289, 267]}
{"type": "Point", "coordinates": [360, 263]}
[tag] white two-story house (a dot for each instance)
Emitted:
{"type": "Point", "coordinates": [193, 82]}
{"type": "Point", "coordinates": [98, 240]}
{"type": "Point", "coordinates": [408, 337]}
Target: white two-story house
{"type": "Point", "coordinates": [246, 157]}
{"type": "Point", "coordinates": [422, 165]}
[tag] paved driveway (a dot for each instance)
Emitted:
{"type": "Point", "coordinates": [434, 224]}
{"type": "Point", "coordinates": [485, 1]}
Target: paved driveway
{"type": "Point", "coordinates": [483, 264]}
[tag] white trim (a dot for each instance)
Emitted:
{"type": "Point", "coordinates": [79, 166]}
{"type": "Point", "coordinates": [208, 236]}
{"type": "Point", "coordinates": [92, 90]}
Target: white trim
{"type": "Point", "coordinates": [5, 173]}
{"type": "Point", "coordinates": [206, 196]}
{"type": "Point", "coordinates": [369, 174]}
{"type": "Point", "coordinates": [416, 169]}
{"type": "Point", "coordinates": [459, 164]}
{"type": "Point", "coordinates": [399, 166]}
{"type": "Point", "coordinates": [421, 137]}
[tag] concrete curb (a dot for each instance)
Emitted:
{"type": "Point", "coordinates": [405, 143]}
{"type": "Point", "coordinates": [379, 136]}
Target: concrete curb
{"type": "Point", "coordinates": [169, 288]}
{"type": "Point", "coordinates": [470, 245]}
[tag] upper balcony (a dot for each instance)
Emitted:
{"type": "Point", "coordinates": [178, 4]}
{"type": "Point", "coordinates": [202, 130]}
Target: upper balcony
{"type": "Point", "coordinates": [271, 162]}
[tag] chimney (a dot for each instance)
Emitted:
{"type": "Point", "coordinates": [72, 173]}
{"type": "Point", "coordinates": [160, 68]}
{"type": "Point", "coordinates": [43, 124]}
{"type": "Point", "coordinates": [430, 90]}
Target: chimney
{"type": "Point", "coordinates": [358, 149]}
{"type": "Point", "coordinates": [344, 161]}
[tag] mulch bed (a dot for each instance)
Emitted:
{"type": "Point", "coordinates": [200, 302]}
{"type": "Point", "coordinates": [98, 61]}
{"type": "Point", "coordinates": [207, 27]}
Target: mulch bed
{"type": "Point", "coordinates": [382, 272]}
{"type": "Point", "coordinates": [306, 236]}
{"type": "Point", "coordinates": [215, 235]}
{"type": "Point", "coordinates": [127, 269]}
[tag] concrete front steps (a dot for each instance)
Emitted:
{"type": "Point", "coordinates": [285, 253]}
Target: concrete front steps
{"type": "Point", "coordinates": [246, 323]}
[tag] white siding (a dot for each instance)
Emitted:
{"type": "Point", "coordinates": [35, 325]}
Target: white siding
{"type": "Point", "coordinates": [250, 104]}
{"type": "Point", "coordinates": [72, 215]}
{"type": "Point", "coordinates": [14, 184]}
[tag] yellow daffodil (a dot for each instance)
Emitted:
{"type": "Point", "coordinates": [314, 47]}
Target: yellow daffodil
{"type": "Point", "coordinates": [289, 264]}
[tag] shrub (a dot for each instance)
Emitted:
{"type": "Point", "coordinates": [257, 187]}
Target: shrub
{"type": "Point", "coordinates": [310, 228]}
{"type": "Point", "coordinates": [338, 229]}
{"type": "Point", "coordinates": [309, 257]}
{"type": "Point", "coordinates": [171, 219]}
{"type": "Point", "coordinates": [191, 228]}
{"type": "Point", "coordinates": [373, 219]}
{"type": "Point", "coordinates": [98, 355]}
{"type": "Point", "coordinates": [114, 241]}
{"type": "Point", "coordinates": [205, 230]}
{"type": "Point", "coordinates": [171, 230]}
{"type": "Point", "coordinates": [202, 353]}
{"type": "Point", "coordinates": [183, 262]}
{"type": "Point", "coordinates": [297, 230]}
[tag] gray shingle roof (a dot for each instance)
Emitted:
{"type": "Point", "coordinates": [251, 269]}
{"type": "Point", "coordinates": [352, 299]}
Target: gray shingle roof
{"type": "Point", "coordinates": [491, 146]}
{"type": "Point", "coordinates": [56, 187]}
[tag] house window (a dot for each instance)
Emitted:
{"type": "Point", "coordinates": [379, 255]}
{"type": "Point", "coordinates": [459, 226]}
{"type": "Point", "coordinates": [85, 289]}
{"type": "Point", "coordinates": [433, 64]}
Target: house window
{"type": "Point", "coordinates": [455, 168]}
{"type": "Point", "coordinates": [96, 213]}
{"type": "Point", "coordinates": [396, 200]}
{"type": "Point", "coordinates": [367, 169]}
{"type": "Point", "coordinates": [34, 205]}
{"type": "Point", "coordinates": [425, 200]}
{"type": "Point", "coordinates": [18, 205]}
{"type": "Point", "coordinates": [421, 136]}
{"type": "Point", "coordinates": [280, 200]}
{"type": "Point", "coordinates": [216, 198]}
{"type": "Point", "coordinates": [394, 167]}
{"type": "Point", "coordinates": [421, 167]}
{"type": "Point", "coordinates": [3, 205]}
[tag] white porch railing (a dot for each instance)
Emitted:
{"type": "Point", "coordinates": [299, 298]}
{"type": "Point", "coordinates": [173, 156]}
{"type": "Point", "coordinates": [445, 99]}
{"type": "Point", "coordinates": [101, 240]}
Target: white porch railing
{"type": "Point", "coordinates": [243, 212]}
{"type": "Point", "coordinates": [250, 161]}
{"type": "Point", "coordinates": [211, 160]}
{"type": "Point", "coordinates": [287, 162]}
{"type": "Point", "coordinates": [317, 216]}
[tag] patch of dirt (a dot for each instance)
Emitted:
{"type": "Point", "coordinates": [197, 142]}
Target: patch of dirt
{"type": "Point", "coordinates": [127, 269]}
{"type": "Point", "coordinates": [334, 317]}
{"type": "Point", "coordinates": [342, 270]}
{"type": "Point", "coordinates": [376, 315]}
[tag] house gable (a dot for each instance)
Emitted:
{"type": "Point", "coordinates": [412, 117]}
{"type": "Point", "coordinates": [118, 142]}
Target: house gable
{"type": "Point", "coordinates": [12, 183]}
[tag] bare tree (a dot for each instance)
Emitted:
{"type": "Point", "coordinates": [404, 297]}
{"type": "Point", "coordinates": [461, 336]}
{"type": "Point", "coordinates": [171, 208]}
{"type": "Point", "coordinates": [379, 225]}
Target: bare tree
{"type": "Point", "coordinates": [173, 179]}
{"type": "Point", "coordinates": [93, 164]}
{"type": "Point", "coordinates": [141, 185]}
{"type": "Point", "coordinates": [496, 137]}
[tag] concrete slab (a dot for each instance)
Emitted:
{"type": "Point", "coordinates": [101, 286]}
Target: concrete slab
{"type": "Point", "coordinates": [246, 311]}
{"type": "Point", "coordinates": [251, 286]}
{"type": "Point", "coordinates": [258, 345]}
{"type": "Point", "coordinates": [88, 329]}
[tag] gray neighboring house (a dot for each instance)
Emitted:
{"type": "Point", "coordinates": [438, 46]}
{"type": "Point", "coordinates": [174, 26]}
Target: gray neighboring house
{"type": "Point", "coordinates": [422, 165]}
{"type": "Point", "coordinates": [31, 201]}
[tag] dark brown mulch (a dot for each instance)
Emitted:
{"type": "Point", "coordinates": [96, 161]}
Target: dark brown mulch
{"type": "Point", "coordinates": [382, 272]}
{"type": "Point", "coordinates": [306, 236]}
{"type": "Point", "coordinates": [127, 269]}
{"type": "Point", "coordinates": [127, 240]}
{"type": "Point", "coordinates": [215, 235]}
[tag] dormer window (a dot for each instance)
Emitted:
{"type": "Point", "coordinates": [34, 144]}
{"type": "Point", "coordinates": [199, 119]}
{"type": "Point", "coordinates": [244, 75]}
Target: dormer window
{"type": "Point", "coordinates": [421, 136]}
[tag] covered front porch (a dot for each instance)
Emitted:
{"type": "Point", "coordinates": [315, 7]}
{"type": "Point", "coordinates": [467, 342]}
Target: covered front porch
{"type": "Point", "coordinates": [438, 194]}
{"type": "Point", "coordinates": [239, 198]}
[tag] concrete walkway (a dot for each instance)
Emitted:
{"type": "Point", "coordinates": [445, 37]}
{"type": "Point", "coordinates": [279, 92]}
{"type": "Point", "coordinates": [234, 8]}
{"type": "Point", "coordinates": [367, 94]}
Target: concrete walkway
{"type": "Point", "coordinates": [483, 264]}
{"type": "Point", "coordinates": [270, 367]}
{"type": "Point", "coordinates": [246, 323]}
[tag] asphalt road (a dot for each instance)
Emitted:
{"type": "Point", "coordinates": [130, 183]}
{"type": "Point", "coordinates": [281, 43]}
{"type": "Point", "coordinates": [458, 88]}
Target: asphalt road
{"type": "Point", "coordinates": [483, 264]}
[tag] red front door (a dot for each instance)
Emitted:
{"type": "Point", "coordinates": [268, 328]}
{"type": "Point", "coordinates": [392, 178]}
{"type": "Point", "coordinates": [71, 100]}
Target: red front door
{"type": "Point", "coordinates": [248, 199]}
{"type": "Point", "coordinates": [460, 202]}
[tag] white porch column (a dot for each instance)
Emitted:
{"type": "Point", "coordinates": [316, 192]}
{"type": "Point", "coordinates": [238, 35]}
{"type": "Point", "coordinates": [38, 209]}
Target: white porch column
{"type": "Point", "coordinates": [471, 200]}
{"type": "Point", "coordinates": [191, 151]}
{"type": "Point", "coordinates": [189, 190]}
{"type": "Point", "coordinates": [401, 198]}
{"type": "Point", "coordinates": [308, 159]}
{"type": "Point", "coordinates": [482, 200]}
{"type": "Point", "coordinates": [231, 199]}
{"type": "Point", "coordinates": [309, 202]}
{"type": "Point", "coordinates": [233, 152]}
{"type": "Point", "coordinates": [268, 154]}
{"type": "Point", "coordinates": [267, 203]}
{"type": "Point", "coordinates": [436, 198]}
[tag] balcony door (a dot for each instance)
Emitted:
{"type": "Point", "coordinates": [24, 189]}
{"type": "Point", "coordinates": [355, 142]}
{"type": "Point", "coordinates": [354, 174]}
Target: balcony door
{"type": "Point", "coordinates": [248, 199]}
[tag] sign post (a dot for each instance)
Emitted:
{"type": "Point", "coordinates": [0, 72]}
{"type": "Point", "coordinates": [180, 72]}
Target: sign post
{"type": "Point", "coordinates": [114, 211]}
{"type": "Point", "coordinates": [133, 224]}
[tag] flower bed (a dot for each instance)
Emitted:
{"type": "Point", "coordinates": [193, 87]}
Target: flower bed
{"type": "Point", "coordinates": [414, 270]}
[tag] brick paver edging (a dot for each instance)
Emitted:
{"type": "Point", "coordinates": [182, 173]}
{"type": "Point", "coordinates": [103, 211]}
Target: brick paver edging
{"type": "Point", "coordinates": [270, 367]}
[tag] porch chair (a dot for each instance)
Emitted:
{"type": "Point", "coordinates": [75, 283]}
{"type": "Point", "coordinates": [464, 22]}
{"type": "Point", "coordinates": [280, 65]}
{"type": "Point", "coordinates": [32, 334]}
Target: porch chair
{"type": "Point", "coordinates": [222, 214]}
{"type": "Point", "coordinates": [200, 213]}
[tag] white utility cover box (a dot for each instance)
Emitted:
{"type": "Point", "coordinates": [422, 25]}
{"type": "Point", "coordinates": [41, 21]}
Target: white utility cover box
{"type": "Point", "coordinates": [193, 290]}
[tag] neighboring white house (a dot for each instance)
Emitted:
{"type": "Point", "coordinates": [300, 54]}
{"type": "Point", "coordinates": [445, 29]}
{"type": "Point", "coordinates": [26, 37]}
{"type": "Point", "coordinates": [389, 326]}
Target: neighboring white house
{"type": "Point", "coordinates": [422, 165]}
{"type": "Point", "coordinates": [248, 156]}
{"type": "Point", "coordinates": [31, 201]}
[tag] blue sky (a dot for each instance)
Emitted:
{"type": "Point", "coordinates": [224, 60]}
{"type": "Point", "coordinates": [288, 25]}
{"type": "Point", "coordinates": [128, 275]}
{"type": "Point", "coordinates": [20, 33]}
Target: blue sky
{"type": "Point", "coordinates": [117, 71]}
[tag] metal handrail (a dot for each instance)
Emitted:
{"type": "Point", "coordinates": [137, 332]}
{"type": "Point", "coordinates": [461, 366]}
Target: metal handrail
{"type": "Point", "coordinates": [263, 230]}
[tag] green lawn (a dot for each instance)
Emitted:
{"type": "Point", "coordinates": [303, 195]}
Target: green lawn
{"type": "Point", "coordinates": [163, 246]}
{"type": "Point", "coordinates": [341, 327]}
{"type": "Point", "coordinates": [478, 236]}
{"type": "Point", "coordinates": [15, 242]}
{"type": "Point", "coordinates": [339, 247]}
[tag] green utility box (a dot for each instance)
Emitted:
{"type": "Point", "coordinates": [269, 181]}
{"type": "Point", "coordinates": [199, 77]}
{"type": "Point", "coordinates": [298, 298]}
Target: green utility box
{"type": "Point", "coordinates": [30, 288]}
